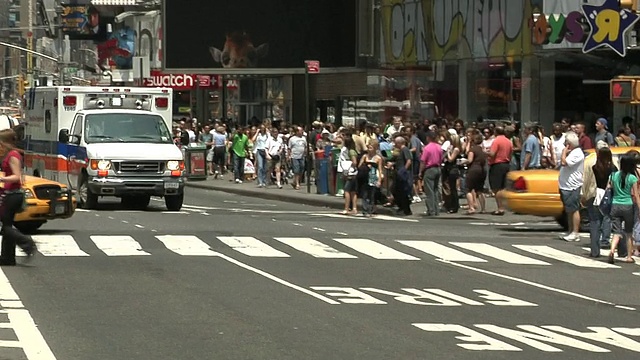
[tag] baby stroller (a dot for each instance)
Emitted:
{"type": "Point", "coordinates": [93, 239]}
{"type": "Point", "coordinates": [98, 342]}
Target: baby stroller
{"type": "Point", "coordinates": [283, 176]}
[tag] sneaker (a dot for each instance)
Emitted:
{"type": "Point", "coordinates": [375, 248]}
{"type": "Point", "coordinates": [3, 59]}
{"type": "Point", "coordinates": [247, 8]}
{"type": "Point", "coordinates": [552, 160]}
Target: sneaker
{"type": "Point", "coordinates": [571, 237]}
{"type": "Point", "coordinates": [216, 174]}
{"type": "Point", "coordinates": [238, 181]}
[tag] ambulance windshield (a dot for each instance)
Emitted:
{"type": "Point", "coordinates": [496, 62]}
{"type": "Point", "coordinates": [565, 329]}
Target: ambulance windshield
{"type": "Point", "coordinates": [126, 128]}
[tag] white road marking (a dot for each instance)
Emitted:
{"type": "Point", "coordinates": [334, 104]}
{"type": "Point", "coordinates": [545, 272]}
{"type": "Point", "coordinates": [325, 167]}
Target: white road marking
{"type": "Point", "coordinates": [496, 224]}
{"type": "Point", "coordinates": [375, 249]}
{"type": "Point", "coordinates": [82, 210]}
{"type": "Point", "coordinates": [531, 283]}
{"type": "Point", "coordinates": [278, 280]}
{"type": "Point", "coordinates": [441, 251]}
{"type": "Point", "coordinates": [319, 229]}
{"type": "Point", "coordinates": [500, 254]}
{"type": "Point", "coordinates": [176, 212]}
{"type": "Point", "coordinates": [251, 246]}
{"type": "Point", "coordinates": [117, 245]}
{"type": "Point", "coordinates": [393, 218]}
{"type": "Point", "coordinates": [605, 253]}
{"type": "Point", "coordinates": [58, 245]}
{"type": "Point", "coordinates": [314, 248]}
{"type": "Point", "coordinates": [187, 245]}
{"type": "Point", "coordinates": [139, 226]}
{"type": "Point", "coordinates": [576, 260]}
{"type": "Point", "coordinates": [245, 210]}
{"type": "Point", "coordinates": [342, 233]}
{"type": "Point", "coordinates": [125, 221]}
{"type": "Point", "coordinates": [29, 337]}
{"type": "Point", "coordinates": [340, 216]}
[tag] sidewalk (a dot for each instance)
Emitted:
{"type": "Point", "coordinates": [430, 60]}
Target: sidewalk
{"type": "Point", "coordinates": [288, 194]}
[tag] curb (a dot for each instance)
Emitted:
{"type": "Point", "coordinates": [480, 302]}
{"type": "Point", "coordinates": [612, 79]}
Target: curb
{"type": "Point", "coordinates": [313, 200]}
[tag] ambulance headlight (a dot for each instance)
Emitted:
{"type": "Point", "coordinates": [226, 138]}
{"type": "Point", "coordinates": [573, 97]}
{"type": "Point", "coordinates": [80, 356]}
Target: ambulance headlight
{"type": "Point", "coordinates": [173, 165]}
{"type": "Point", "coordinates": [104, 165]}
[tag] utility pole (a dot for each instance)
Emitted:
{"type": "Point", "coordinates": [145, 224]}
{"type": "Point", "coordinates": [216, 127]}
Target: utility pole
{"type": "Point", "coordinates": [30, 44]}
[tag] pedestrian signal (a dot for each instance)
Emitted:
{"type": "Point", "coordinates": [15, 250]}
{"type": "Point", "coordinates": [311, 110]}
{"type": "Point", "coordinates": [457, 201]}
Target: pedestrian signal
{"type": "Point", "coordinates": [622, 90]}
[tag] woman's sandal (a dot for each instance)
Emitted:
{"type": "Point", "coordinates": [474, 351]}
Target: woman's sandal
{"type": "Point", "coordinates": [498, 213]}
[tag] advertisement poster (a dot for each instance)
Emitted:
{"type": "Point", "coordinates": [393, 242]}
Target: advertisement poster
{"type": "Point", "coordinates": [276, 34]}
{"type": "Point", "coordinates": [197, 163]}
{"type": "Point", "coordinates": [83, 22]}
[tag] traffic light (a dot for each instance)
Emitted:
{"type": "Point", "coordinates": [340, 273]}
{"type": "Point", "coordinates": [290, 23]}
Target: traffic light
{"type": "Point", "coordinates": [629, 4]}
{"type": "Point", "coordinates": [623, 90]}
{"type": "Point", "coordinates": [21, 85]}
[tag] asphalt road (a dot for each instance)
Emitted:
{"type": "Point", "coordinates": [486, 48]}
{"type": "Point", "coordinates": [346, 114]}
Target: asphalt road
{"type": "Point", "coordinates": [232, 277]}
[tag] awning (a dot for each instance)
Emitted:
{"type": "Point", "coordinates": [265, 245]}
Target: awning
{"type": "Point", "coordinates": [114, 2]}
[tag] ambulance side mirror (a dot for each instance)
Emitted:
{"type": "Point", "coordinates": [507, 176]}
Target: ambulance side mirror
{"type": "Point", "coordinates": [63, 136]}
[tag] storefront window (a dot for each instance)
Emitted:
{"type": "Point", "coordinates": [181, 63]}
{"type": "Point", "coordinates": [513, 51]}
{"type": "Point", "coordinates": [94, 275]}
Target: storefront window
{"type": "Point", "coordinates": [181, 104]}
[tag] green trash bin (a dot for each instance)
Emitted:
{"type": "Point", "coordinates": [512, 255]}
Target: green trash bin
{"type": "Point", "coordinates": [195, 162]}
{"type": "Point", "coordinates": [339, 182]}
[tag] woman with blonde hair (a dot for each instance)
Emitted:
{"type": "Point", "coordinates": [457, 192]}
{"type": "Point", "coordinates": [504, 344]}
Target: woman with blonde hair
{"type": "Point", "coordinates": [374, 163]}
{"type": "Point", "coordinates": [12, 200]}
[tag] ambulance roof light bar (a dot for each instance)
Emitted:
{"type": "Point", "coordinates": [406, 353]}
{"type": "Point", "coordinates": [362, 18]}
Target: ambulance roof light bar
{"type": "Point", "coordinates": [120, 102]}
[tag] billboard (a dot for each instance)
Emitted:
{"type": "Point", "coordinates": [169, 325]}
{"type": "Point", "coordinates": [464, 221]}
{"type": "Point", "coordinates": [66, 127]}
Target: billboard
{"type": "Point", "coordinates": [83, 22]}
{"type": "Point", "coordinates": [258, 35]}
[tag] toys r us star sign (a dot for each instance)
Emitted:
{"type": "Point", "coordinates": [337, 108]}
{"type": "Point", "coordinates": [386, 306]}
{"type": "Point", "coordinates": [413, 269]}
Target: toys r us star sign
{"type": "Point", "coordinates": [609, 24]}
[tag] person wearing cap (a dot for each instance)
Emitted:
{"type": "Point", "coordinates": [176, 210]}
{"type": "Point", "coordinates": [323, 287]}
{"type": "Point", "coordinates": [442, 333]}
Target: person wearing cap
{"type": "Point", "coordinates": [324, 141]}
{"type": "Point", "coordinates": [602, 134]}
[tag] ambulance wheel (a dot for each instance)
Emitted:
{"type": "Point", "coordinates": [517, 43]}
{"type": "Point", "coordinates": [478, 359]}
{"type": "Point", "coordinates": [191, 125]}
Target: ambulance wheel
{"type": "Point", "coordinates": [137, 202]}
{"type": "Point", "coordinates": [174, 202]}
{"type": "Point", "coordinates": [86, 199]}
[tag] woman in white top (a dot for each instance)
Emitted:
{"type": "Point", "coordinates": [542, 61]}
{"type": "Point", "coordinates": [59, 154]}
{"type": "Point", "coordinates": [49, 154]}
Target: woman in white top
{"type": "Point", "coordinates": [259, 148]}
{"type": "Point", "coordinates": [557, 144]}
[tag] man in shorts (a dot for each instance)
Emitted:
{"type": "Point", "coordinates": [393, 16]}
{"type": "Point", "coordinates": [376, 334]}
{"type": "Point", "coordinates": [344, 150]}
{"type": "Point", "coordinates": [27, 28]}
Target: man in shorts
{"type": "Point", "coordinates": [570, 181]}
{"type": "Point", "coordinates": [499, 165]}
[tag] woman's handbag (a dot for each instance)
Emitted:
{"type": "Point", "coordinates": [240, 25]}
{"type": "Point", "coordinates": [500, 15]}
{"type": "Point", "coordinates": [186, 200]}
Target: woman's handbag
{"type": "Point", "coordinates": [606, 202]}
{"type": "Point", "coordinates": [346, 167]}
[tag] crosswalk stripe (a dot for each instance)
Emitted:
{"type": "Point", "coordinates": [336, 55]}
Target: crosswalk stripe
{"type": "Point", "coordinates": [251, 246]}
{"type": "Point", "coordinates": [58, 245]}
{"type": "Point", "coordinates": [576, 260]}
{"type": "Point", "coordinates": [118, 245]}
{"type": "Point", "coordinates": [500, 254]}
{"type": "Point", "coordinates": [314, 248]}
{"type": "Point", "coordinates": [441, 251]}
{"type": "Point", "coordinates": [187, 245]}
{"type": "Point", "coordinates": [605, 253]}
{"type": "Point", "coordinates": [375, 249]}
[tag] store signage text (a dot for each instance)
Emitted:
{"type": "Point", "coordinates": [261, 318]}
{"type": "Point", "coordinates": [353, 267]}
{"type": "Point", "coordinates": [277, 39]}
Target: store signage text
{"type": "Point", "coordinates": [595, 26]}
{"type": "Point", "coordinates": [547, 338]}
{"type": "Point", "coordinates": [185, 81]}
{"type": "Point", "coordinates": [555, 28]}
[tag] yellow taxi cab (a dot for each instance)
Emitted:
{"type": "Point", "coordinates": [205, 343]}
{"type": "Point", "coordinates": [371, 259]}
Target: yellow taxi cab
{"type": "Point", "coordinates": [536, 192]}
{"type": "Point", "coordinates": [45, 200]}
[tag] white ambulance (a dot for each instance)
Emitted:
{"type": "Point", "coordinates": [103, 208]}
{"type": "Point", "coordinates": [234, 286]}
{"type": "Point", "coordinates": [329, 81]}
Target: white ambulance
{"type": "Point", "coordinates": [105, 142]}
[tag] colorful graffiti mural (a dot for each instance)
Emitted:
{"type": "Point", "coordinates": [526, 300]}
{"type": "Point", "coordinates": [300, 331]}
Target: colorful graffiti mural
{"type": "Point", "coordinates": [416, 32]}
{"type": "Point", "coordinates": [480, 28]}
{"type": "Point", "coordinates": [403, 33]}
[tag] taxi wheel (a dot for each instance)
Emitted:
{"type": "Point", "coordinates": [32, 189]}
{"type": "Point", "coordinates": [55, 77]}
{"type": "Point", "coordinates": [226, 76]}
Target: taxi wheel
{"type": "Point", "coordinates": [86, 199]}
{"type": "Point", "coordinates": [28, 227]}
{"type": "Point", "coordinates": [139, 202]}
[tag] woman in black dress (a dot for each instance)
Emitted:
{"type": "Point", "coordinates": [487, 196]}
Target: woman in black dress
{"type": "Point", "coordinates": [476, 174]}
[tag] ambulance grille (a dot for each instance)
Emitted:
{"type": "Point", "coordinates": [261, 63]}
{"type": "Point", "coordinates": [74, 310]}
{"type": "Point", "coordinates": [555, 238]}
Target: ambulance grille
{"type": "Point", "coordinates": [140, 167]}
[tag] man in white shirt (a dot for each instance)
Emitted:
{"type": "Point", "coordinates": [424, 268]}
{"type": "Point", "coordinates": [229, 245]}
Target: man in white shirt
{"type": "Point", "coordinates": [570, 181]}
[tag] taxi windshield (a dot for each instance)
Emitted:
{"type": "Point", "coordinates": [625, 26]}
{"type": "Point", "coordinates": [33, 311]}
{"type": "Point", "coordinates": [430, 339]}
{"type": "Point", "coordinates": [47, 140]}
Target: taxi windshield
{"type": "Point", "coordinates": [126, 128]}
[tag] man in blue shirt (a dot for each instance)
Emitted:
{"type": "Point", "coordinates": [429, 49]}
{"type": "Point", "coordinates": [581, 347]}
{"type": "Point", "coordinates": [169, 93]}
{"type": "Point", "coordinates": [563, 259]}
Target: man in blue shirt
{"type": "Point", "coordinates": [530, 158]}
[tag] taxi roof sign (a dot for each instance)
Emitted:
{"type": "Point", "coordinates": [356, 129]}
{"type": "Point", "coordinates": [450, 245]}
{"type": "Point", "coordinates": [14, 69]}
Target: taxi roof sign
{"type": "Point", "coordinates": [622, 90]}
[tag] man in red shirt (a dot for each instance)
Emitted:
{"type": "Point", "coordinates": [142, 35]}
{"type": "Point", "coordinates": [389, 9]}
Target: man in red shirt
{"type": "Point", "coordinates": [499, 160]}
{"type": "Point", "coordinates": [585, 140]}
